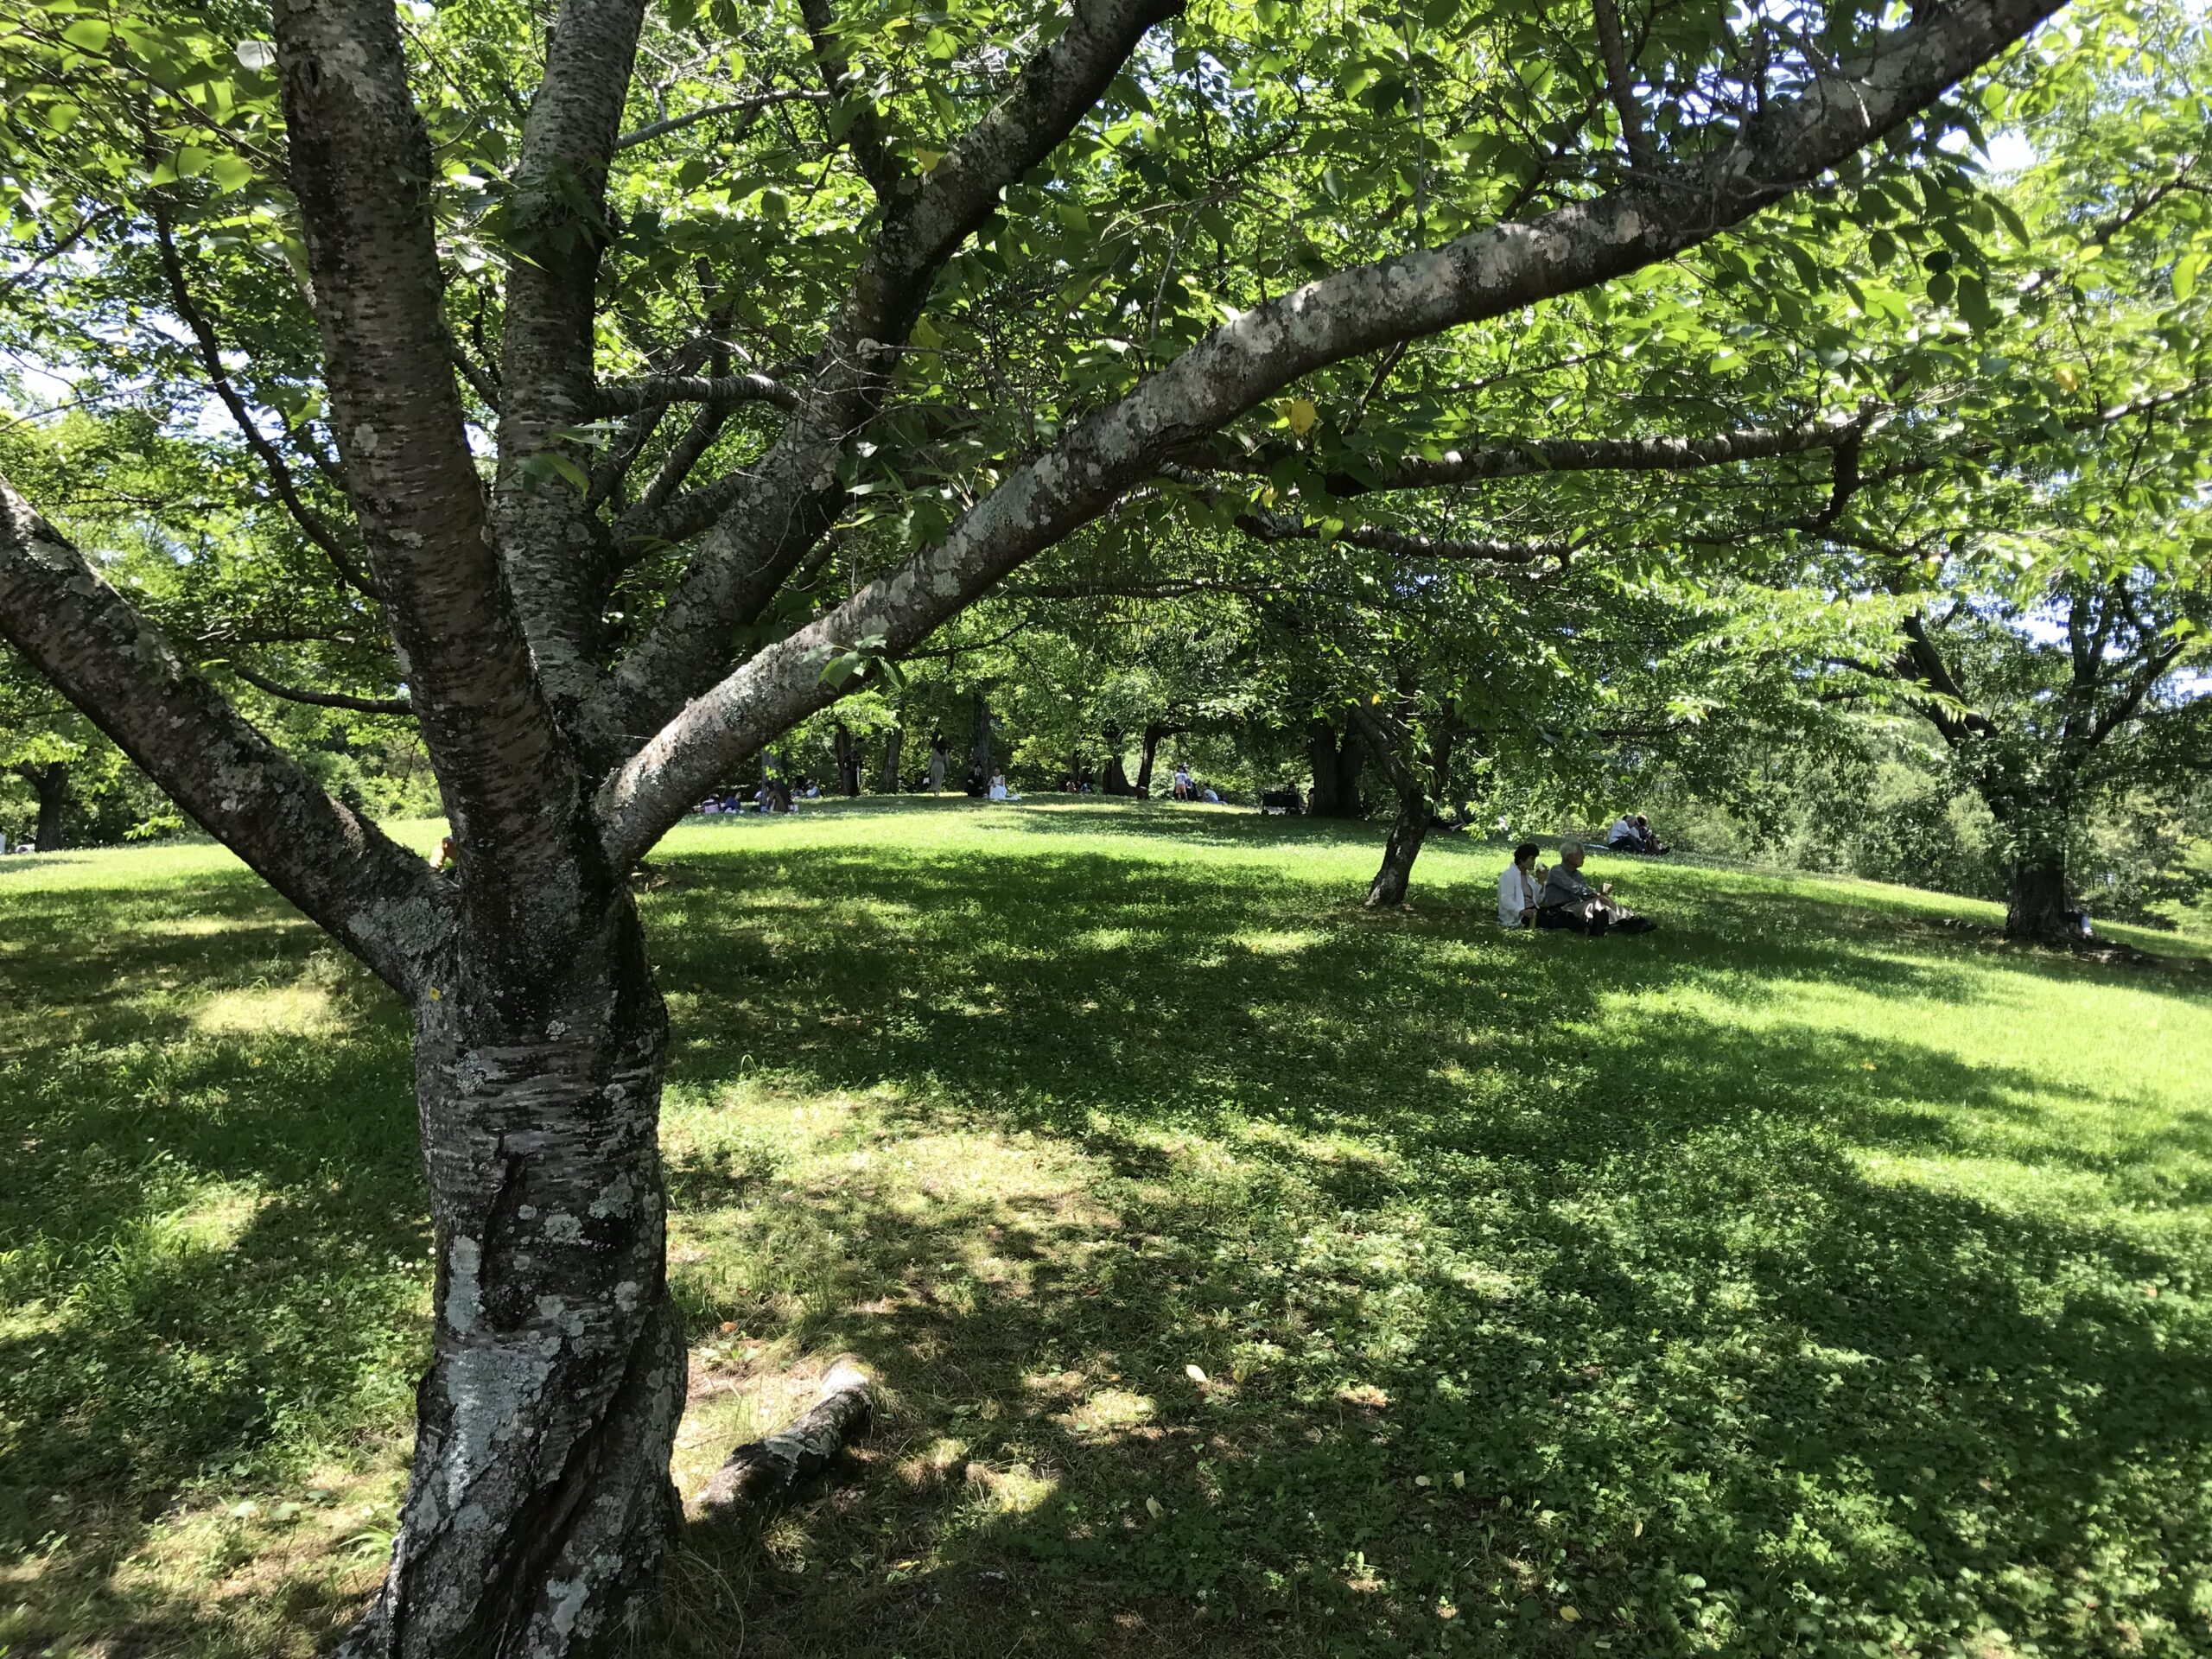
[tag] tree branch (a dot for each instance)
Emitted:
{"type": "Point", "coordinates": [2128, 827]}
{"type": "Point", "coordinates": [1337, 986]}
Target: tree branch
{"type": "Point", "coordinates": [1480, 274]}
{"type": "Point", "coordinates": [724, 391]}
{"type": "Point", "coordinates": [1620, 85]}
{"type": "Point", "coordinates": [1495, 458]}
{"type": "Point", "coordinates": [370, 894]}
{"type": "Point", "coordinates": [794, 495]}
{"type": "Point", "coordinates": [322, 699]}
{"type": "Point", "coordinates": [361, 171]}
{"type": "Point", "coordinates": [317, 529]}
{"type": "Point", "coordinates": [551, 542]}
{"type": "Point", "coordinates": [746, 106]}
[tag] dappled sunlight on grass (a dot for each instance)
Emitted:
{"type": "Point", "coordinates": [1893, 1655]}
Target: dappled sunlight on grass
{"type": "Point", "coordinates": [1247, 1275]}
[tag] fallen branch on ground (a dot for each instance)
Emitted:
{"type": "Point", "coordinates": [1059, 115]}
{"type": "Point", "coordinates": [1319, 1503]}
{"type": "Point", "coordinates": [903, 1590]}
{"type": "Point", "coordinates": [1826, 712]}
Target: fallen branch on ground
{"type": "Point", "coordinates": [761, 1470]}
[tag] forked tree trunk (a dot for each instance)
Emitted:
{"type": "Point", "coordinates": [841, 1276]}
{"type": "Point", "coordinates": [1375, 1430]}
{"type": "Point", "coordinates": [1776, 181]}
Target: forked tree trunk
{"type": "Point", "coordinates": [539, 1502]}
{"type": "Point", "coordinates": [50, 782]}
{"type": "Point", "coordinates": [886, 781]}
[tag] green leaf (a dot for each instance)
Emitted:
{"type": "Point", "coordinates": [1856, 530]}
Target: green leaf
{"type": "Point", "coordinates": [88, 35]}
{"type": "Point", "coordinates": [2187, 268]}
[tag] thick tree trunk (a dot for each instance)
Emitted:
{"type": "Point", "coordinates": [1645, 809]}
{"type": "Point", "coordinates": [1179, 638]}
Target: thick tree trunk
{"type": "Point", "coordinates": [980, 763]}
{"type": "Point", "coordinates": [1153, 734]}
{"type": "Point", "coordinates": [1117, 778]}
{"type": "Point", "coordinates": [1408, 830]}
{"type": "Point", "coordinates": [886, 781]}
{"type": "Point", "coordinates": [2038, 908]}
{"type": "Point", "coordinates": [50, 782]}
{"type": "Point", "coordinates": [1337, 760]}
{"type": "Point", "coordinates": [849, 760]}
{"type": "Point", "coordinates": [540, 1502]}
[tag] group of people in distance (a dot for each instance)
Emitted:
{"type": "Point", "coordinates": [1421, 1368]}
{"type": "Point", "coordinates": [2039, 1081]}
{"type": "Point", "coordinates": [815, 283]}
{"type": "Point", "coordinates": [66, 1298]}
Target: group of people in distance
{"type": "Point", "coordinates": [773, 795]}
{"type": "Point", "coordinates": [1184, 788]}
{"type": "Point", "coordinates": [1528, 895]}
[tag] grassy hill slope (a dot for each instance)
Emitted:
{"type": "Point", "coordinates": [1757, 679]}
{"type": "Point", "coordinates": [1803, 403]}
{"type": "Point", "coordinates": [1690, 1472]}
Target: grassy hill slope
{"type": "Point", "coordinates": [1251, 1274]}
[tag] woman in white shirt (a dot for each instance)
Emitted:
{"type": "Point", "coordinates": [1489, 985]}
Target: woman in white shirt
{"type": "Point", "coordinates": [1517, 887]}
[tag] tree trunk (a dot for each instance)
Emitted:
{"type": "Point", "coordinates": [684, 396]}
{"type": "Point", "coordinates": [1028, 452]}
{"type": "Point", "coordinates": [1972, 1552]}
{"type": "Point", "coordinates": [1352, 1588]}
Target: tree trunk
{"type": "Point", "coordinates": [1116, 779]}
{"type": "Point", "coordinates": [979, 764]}
{"type": "Point", "coordinates": [886, 781]}
{"type": "Point", "coordinates": [849, 760]}
{"type": "Point", "coordinates": [539, 1502]}
{"type": "Point", "coordinates": [50, 782]}
{"type": "Point", "coordinates": [1337, 761]}
{"type": "Point", "coordinates": [2037, 911]}
{"type": "Point", "coordinates": [1415, 813]}
{"type": "Point", "coordinates": [1408, 830]}
{"type": "Point", "coordinates": [1153, 734]}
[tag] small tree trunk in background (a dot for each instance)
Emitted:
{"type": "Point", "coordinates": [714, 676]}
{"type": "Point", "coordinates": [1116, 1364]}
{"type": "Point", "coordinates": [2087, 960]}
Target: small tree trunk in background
{"type": "Point", "coordinates": [539, 1502]}
{"type": "Point", "coordinates": [849, 760]}
{"type": "Point", "coordinates": [1153, 734]}
{"type": "Point", "coordinates": [1336, 761]}
{"type": "Point", "coordinates": [1116, 780]}
{"type": "Point", "coordinates": [1408, 830]}
{"type": "Point", "coordinates": [51, 784]}
{"type": "Point", "coordinates": [886, 781]}
{"type": "Point", "coordinates": [979, 764]}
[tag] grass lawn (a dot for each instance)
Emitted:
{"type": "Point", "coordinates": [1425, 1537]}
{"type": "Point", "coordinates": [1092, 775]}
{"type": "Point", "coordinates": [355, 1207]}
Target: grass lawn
{"type": "Point", "coordinates": [1250, 1275]}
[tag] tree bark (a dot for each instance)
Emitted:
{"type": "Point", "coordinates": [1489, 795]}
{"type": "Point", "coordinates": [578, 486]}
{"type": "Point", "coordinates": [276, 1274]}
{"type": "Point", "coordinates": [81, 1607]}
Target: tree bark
{"type": "Point", "coordinates": [539, 1502]}
{"type": "Point", "coordinates": [1116, 780]}
{"type": "Point", "coordinates": [1153, 734]}
{"type": "Point", "coordinates": [849, 761]}
{"type": "Point", "coordinates": [50, 782]}
{"type": "Point", "coordinates": [979, 764]}
{"type": "Point", "coordinates": [2037, 911]}
{"type": "Point", "coordinates": [1408, 830]}
{"type": "Point", "coordinates": [1338, 760]}
{"type": "Point", "coordinates": [1414, 783]}
{"type": "Point", "coordinates": [886, 781]}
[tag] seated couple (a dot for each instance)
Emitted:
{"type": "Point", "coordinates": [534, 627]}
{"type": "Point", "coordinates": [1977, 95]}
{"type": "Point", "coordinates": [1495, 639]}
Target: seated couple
{"type": "Point", "coordinates": [1632, 834]}
{"type": "Point", "coordinates": [1561, 897]}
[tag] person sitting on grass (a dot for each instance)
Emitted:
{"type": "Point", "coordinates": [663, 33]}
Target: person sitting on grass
{"type": "Point", "coordinates": [1650, 843]}
{"type": "Point", "coordinates": [1518, 887]}
{"type": "Point", "coordinates": [999, 791]}
{"type": "Point", "coordinates": [1568, 901]}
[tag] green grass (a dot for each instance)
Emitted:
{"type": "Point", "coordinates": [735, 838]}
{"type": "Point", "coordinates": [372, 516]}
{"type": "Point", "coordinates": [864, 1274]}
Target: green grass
{"type": "Point", "coordinates": [1250, 1275]}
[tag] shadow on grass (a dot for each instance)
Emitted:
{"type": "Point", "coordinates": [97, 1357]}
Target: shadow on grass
{"type": "Point", "coordinates": [1523, 1274]}
{"type": "Point", "coordinates": [1420, 1221]}
{"type": "Point", "coordinates": [211, 1239]}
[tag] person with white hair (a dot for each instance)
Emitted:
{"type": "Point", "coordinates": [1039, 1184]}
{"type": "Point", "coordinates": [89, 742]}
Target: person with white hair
{"type": "Point", "coordinates": [1570, 902]}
